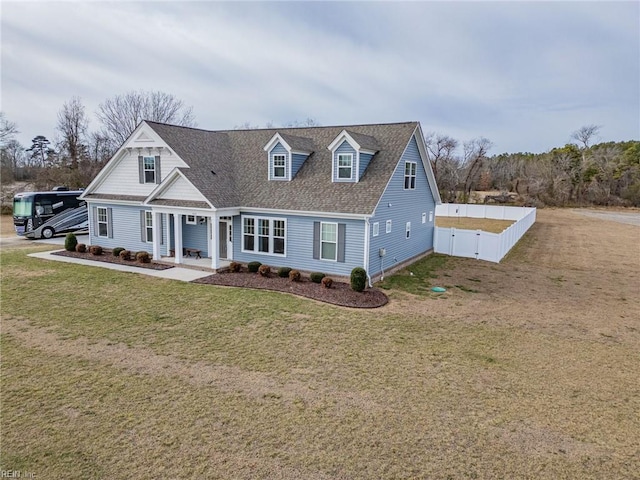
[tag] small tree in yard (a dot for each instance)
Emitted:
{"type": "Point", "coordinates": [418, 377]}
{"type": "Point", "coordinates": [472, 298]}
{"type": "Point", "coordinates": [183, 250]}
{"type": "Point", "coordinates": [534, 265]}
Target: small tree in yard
{"type": "Point", "coordinates": [70, 242]}
{"type": "Point", "coordinates": [358, 279]}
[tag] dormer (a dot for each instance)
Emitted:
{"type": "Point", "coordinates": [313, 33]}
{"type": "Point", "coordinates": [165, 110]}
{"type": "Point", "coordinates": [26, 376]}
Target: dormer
{"type": "Point", "coordinates": [351, 153]}
{"type": "Point", "coordinates": [286, 154]}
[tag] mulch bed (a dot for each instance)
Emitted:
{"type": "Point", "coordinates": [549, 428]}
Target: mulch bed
{"type": "Point", "coordinates": [339, 294]}
{"type": "Point", "coordinates": [107, 257]}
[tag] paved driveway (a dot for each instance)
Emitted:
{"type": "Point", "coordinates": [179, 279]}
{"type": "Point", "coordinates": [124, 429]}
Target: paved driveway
{"type": "Point", "coordinates": [631, 218]}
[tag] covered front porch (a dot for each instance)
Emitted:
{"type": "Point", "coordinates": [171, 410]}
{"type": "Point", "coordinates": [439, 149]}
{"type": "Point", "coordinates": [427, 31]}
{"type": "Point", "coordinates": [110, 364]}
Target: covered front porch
{"type": "Point", "coordinates": [199, 239]}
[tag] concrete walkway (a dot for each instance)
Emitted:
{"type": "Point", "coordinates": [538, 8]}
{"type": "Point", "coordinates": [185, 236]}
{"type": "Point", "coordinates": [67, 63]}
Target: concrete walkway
{"type": "Point", "coordinates": [175, 273]}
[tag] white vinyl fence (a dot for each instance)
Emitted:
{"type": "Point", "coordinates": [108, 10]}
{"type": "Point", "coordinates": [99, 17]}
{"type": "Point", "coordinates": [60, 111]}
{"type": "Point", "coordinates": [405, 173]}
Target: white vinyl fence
{"type": "Point", "coordinates": [477, 243]}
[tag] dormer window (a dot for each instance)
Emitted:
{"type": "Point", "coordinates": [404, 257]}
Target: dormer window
{"type": "Point", "coordinates": [279, 166]}
{"type": "Point", "coordinates": [345, 166]}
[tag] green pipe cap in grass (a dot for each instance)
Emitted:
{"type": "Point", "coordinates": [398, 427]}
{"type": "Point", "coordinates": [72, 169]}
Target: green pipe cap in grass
{"type": "Point", "coordinates": [438, 289]}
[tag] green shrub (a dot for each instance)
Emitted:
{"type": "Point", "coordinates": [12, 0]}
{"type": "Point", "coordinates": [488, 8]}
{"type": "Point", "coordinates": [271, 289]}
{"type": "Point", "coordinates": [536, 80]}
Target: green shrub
{"type": "Point", "coordinates": [284, 272]}
{"type": "Point", "coordinates": [264, 270]}
{"type": "Point", "coordinates": [358, 279]}
{"type": "Point", "coordinates": [95, 250]}
{"type": "Point", "coordinates": [125, 254]}
{"type": "Point", "coordinates": [143, 257]}
{"type": "Point", "coordinates": [294, 276]}
{"type": "Point", "coordinates": [316, 277]}
{"type": "Point", "coordinates": [234, 267]}
{"type": "Point", "coordinates": [253, 266]}
{"type": "Point", "coordinates": [70, 242]}
{"type": "Point", "coordinates": [327, 282]}
{"type": "Point", "coordinates": [116, 251]}
{"type": "Point", "coordinates": [81, 248]}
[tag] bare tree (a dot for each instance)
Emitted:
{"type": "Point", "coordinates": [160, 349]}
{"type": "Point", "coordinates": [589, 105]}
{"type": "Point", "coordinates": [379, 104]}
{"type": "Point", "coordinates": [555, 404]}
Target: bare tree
{"type": "Point", "coordinates": [72, 125]}
{"type": "Point", "coordinates": [584, 135]}
{"type": "Point", "coordinates": [7, 130]}
{"type": "Point", "coordinates": [307, 122]}
{"type": "Point", "coordinates": [475, 153]}
{"type": "Point", "coordinates": [440, 149]}
{"type": "Point", "coordinates": [120, 115]}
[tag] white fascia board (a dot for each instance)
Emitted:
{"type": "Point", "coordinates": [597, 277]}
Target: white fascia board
{"type": "Point", "coordinates": [274, 141]}
{"type": "Point", "coordinates": [306, 213]}
{"type": "Point", "coordinates": [300, 152]}
{"type": "Point", "coordinates": [422, 148]}
{"type": "Point", "coordinates": [113, 202]}
{"type": "Point", "coordinates": [201, 212]}
{"type": "Point", "coordinates": [344, 135]}
{"type": "Point", "coordinates": [168, 181]}
{"type": "Point", "coordinates": [368, 152]}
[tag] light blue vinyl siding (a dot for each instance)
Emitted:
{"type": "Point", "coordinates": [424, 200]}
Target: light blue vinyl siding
{"type": "Point", "coordinates": [299, 245]}
{"type": "Point", "coordinates": [365, 158]}
{"type": "Point", "coordinates": [344, 148]}
{"type": "Point", "coordinates": [126, 228]}
{"type": "Point", "coordinates": [195, 236]}
{"type": "Point", "coordinates": [279, 150]}
{"type": "Point", "coordinates": [406, 206]}
{"type": "Point", "coordinates": [296, 163]}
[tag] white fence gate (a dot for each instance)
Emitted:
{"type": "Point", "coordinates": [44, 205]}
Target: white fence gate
{"type": "Point", "coordinates": [477, 243]}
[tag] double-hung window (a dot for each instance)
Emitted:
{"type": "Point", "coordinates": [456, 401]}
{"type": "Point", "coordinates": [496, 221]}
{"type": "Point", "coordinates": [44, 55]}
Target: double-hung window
{"type": "Point", "coordinates": [149, 169]}
{"type": "Point", "coordinates": [279, 162]}
{"type": "Point", "coordinates": [329, 241]}
{"type": "Point", "coordinates": [103, 222]}
{"type": "Point", "coordinates": [148, 225]}
{"type": "Point", "coordinates": [410, 175]}
{"type": "Point", "coordinates": [264, 235]}
{"type": "Point", "coordinates": [345, 165]}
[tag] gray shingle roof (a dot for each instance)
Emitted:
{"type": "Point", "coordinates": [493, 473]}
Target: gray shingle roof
{"type": "Point", "coordinates": [241, 172]}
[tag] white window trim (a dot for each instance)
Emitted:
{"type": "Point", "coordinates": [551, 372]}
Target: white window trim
{"type": "Point", "coordinates": [105, 222]}
{"type": "Point", "coordinates": [338, 167]}
{"type": "Point", "coordinates": [408, 230]}
{"type": "Point", "coordinates": [376, 229]}
{"type": "Point", "coordinates": [256, 235]}
{"type": "Point", "coordinates": [424, 217]}
{"type": "Point", "coordinates": [283, 166]}
{"type": "Point", "coordinates": [148, 215]}
{"type": "Point", "coordinates": [430, 216]}
{"type": "Point", "coordinates": [326, 241]}
{"type": "Point", "coordinates": [414, 167]}
{"type": "Point", "coordinates": [388, 226]}
{"type": "Point", "coordinates": [189, 221]}
{"type": "Point", "coordinates": [145, 169]}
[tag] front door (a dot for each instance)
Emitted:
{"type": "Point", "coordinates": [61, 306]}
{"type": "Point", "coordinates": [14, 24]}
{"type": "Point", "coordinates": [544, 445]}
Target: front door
{"type": "Point", "coordinates": [225, 239]}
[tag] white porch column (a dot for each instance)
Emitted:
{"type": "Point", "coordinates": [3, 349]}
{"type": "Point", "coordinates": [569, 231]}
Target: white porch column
{"type": "Point", "coordinates": [215, 240]}
{"type": "Point", "coordinates": [177, 229]}
{"type": "Point", "coordinates": [166, 221]}
{"type": "Point", "coordinates": [157, 234]}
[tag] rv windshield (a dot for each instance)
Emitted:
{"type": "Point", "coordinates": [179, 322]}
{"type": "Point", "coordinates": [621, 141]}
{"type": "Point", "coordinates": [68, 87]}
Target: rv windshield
{"type": "Point", "coordinates": [22, 207]}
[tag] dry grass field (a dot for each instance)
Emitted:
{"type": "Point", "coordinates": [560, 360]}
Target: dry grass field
{"type": "Point", "coordinates": [524, 369]}
{"type": "Point", "coordinates": [6, 226]}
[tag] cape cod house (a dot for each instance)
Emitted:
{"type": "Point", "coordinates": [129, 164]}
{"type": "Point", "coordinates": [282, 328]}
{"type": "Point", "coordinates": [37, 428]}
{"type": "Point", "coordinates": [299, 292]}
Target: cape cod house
{"type": "Point", "coordinates": [322, 199]}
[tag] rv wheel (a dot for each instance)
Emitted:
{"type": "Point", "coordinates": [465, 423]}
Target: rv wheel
{"type": "Point", "coordinates": [47, 232]}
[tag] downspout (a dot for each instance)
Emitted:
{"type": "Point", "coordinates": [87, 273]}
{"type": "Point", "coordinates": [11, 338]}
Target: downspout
{"type": "Point", "coordinates": [366, 250]}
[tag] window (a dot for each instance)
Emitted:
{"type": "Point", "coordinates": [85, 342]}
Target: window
{"type": "Point", "coordinates": [103, 222]}
{"type": "Point", "coordinates": [191, 220]}
{"type": "Point", "coordinates": [424, 217]}
{"type": "Point", "coordinates": [376, 229]}
{"type": "Point", "coordinates": [430, 216]}
{"type": "Point", "coordinates": [408, 229]}
{"type": "Point", "coordinates": [329, 241]}
{"type": "Point", "coordinates": [345, 161]}
{"type": "Point", "coordinates": [388, 230]}
{"type": "Point", "coordinates": [148, 225]}
{"type": "Point", "coordinates": [410, 175]}
{"type": "Point", "coordinates": [268, 238]}
{"type": "Point", "coordinates": [279, 169]}
{"type": "Point", "coordinates": [149, 169]}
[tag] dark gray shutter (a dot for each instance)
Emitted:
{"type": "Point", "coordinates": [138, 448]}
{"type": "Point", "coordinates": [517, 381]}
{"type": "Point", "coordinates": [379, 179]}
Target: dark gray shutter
{"type": "Point", "coordinates": [110, 222]}
{"type": "Point", "coordinates": [143, 227]}
{"type": "Point", "coordinates": [316, 240]}
{"type": "Point", "coordinates": [158, 176]}
{"type": "Point", "coordinates": [140, 169]}
{"type": "Point", "coordinates": [161, 230]}
{"type": "Point", "coordinates": [94, 223]}
{"type": "Point", "coordinates": [341, 241]}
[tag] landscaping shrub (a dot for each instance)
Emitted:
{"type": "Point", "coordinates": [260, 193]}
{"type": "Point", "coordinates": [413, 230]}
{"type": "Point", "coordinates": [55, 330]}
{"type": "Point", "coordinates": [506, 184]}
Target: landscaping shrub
{"type": "Point", "coordinates": [316, 277]}
{"type": "Point", "coordinates": [327, 282]}
{"type": "Point", "coordinates": [143, 257]}
{"type": "Point", "coordinates": [284, 272]}
{"type": "Point", "coordinates": [95, 250]}
{"type": "Point", "coordinates": [264, 270]}
{"type": "Point", "coordinates": [294, 275]}
{"type": "Point", "coordinates": [116, 251]}
{"type": "Point", "coordinates": [81, 248]}
{"type": "Point", "coordinates": [253, 266]}
{"type": "Point", "coordinates": [70, 242]}
{"type": "Point", "coordinates": [125, 254]}
{"type": "Point", "coordinates": [358, 279]}
{"type": "Point", "coordinates": [234, 267]}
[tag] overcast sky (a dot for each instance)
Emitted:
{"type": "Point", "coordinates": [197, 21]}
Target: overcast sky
{"type": "Point", "coordinates": [525, 75]}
